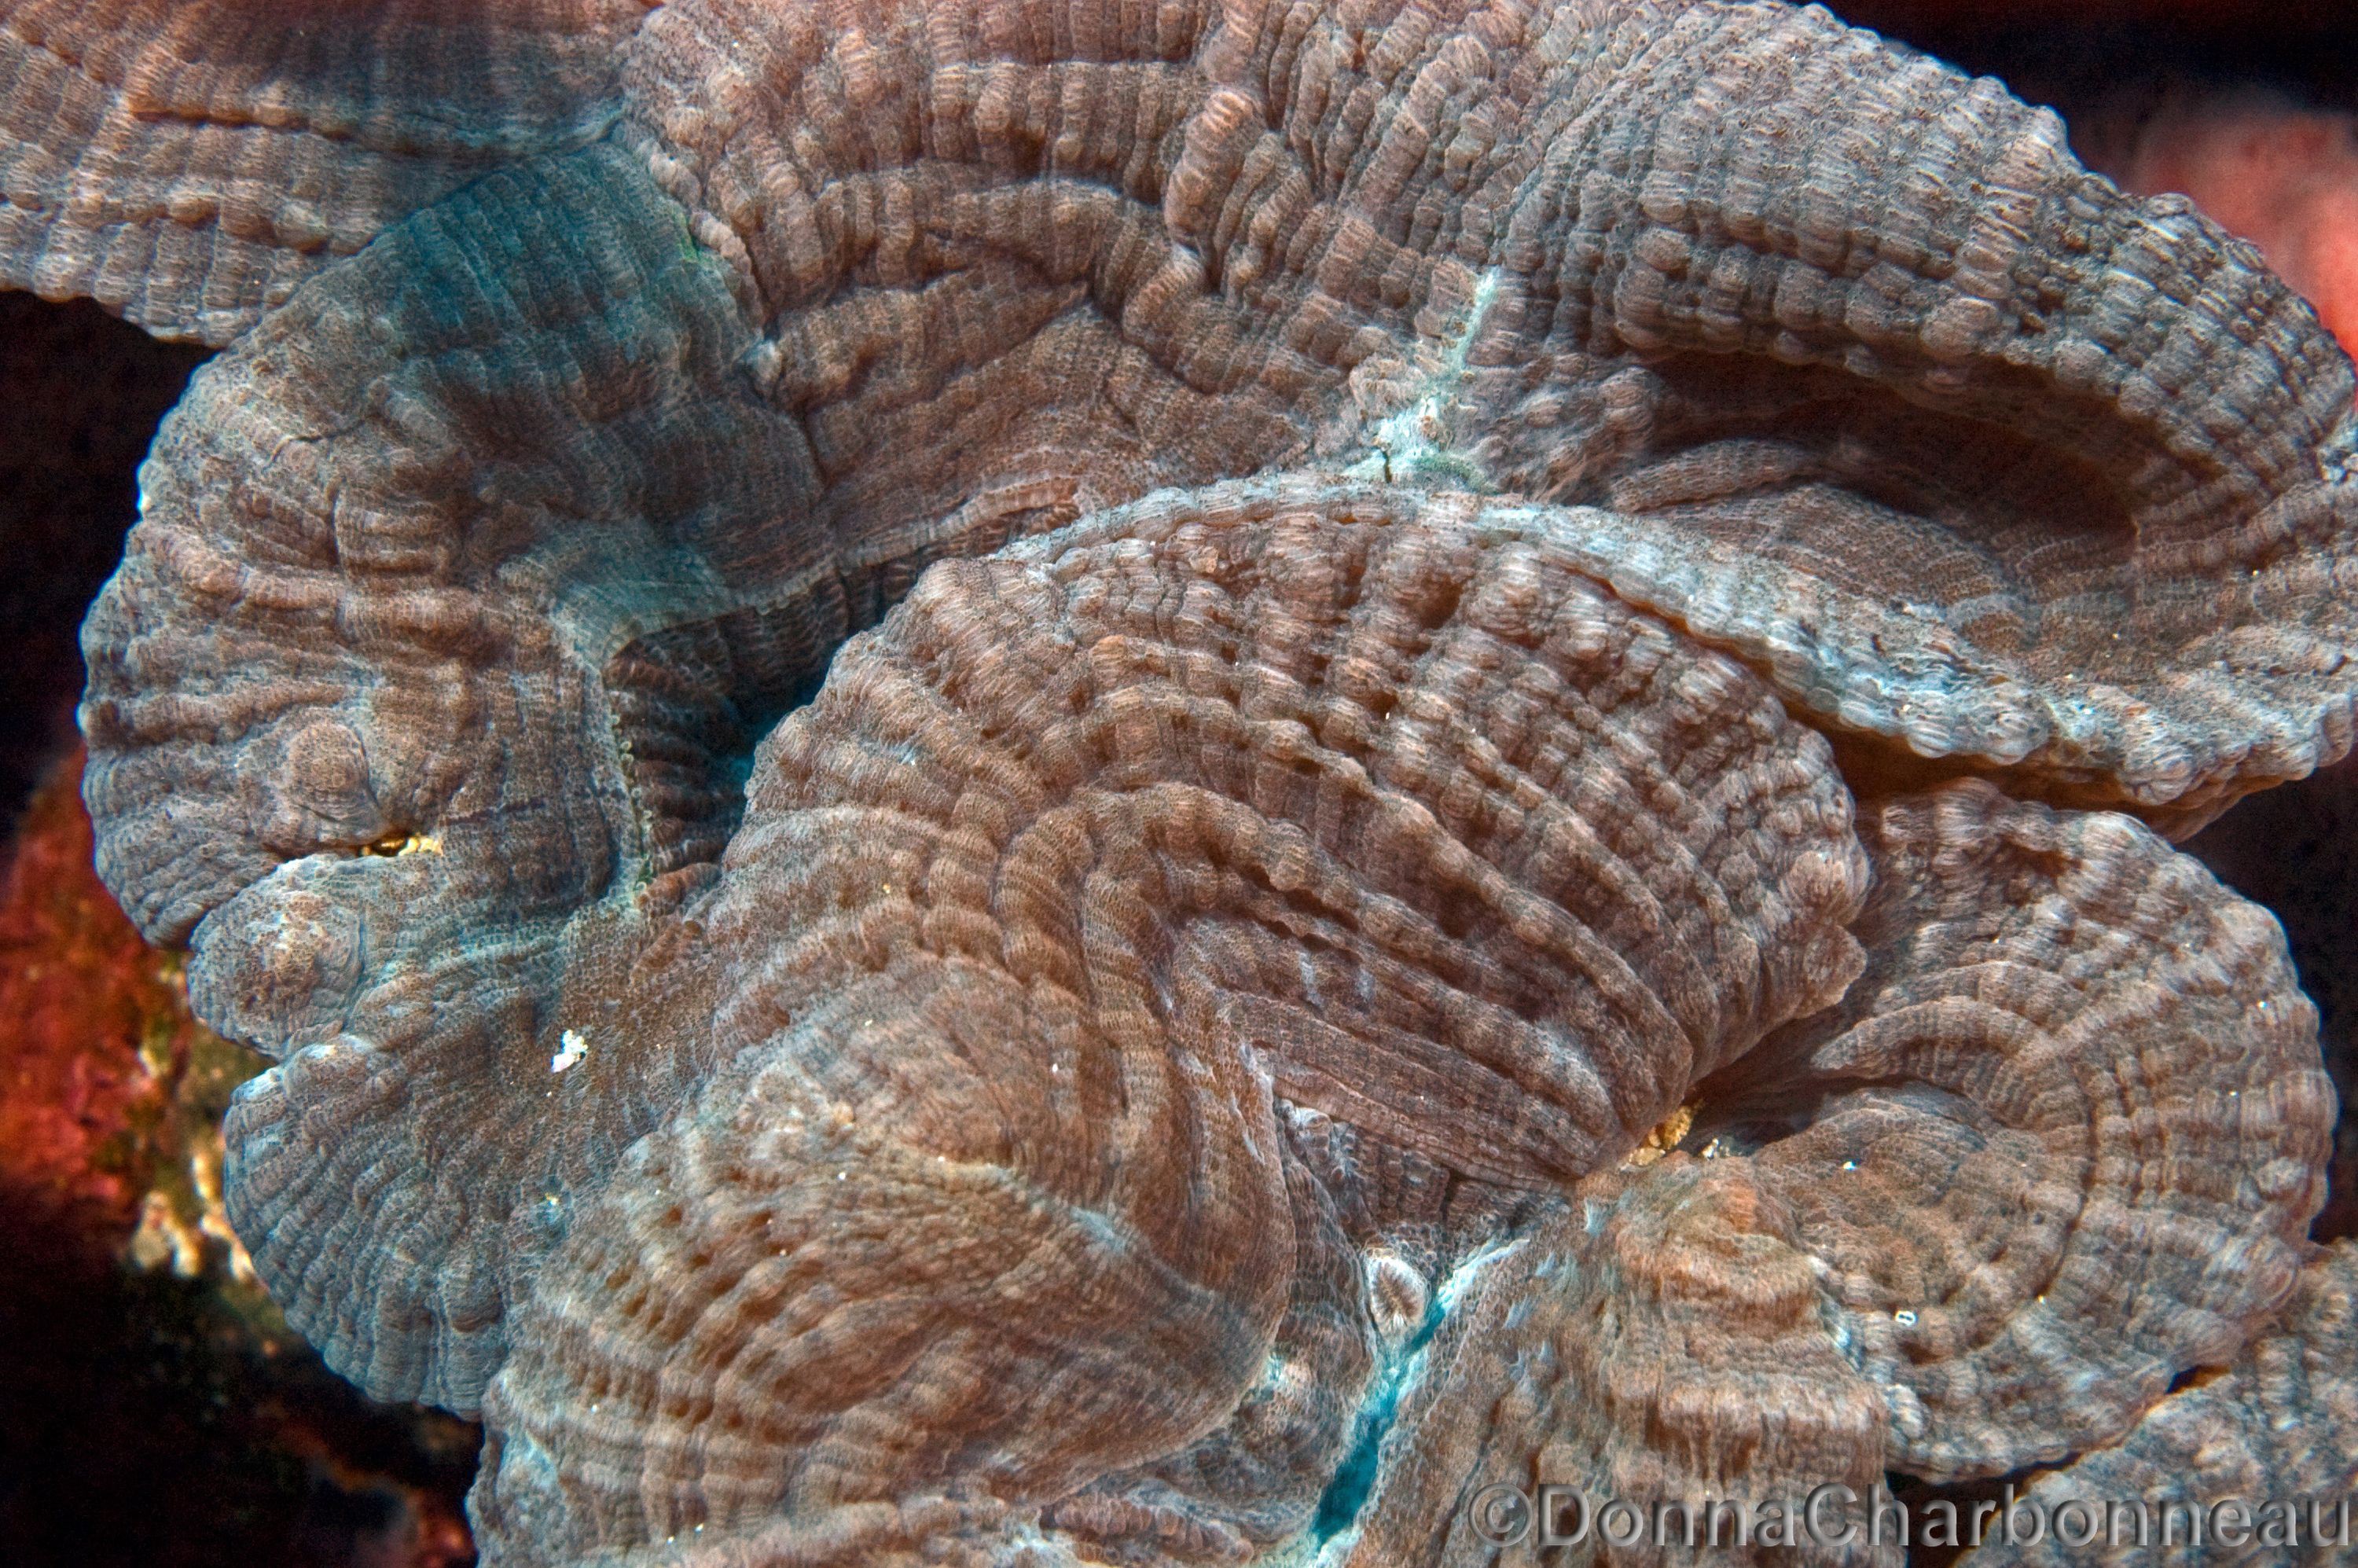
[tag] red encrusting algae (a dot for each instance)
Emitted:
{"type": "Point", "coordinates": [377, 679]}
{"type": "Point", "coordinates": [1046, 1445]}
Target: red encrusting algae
{"type": "Point", "coordinates": [2283, 178]}
{"type": "Point", "coordinates": [96, 1032]}
{"type": "Point", "coordinates": [164, 1412]}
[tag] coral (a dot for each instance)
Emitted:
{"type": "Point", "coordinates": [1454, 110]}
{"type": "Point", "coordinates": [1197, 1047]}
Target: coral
{"type": "Point", "coordinates": [1506, 867]}
{"type": "Point", "coordinates": [2277, 1428]}
{"type": "Point", "coordinates": [2283, 178]}
{"type": "Point", "coordinates": [189, 164]}
{"type": "Point", "coordinates": [2246, 112]}
{"type": "Point", "coordinates": [1664, 1343]}
{"type": "Point", "coordinates": [2061, 1143]}
{"type": "Point", "coordinates": [1091, 854]}
{"type": "Point", "coordinates": [2056, 1146]}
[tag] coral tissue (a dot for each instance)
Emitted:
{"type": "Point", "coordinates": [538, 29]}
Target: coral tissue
{"type": "Point", "coordinates": [1501, 697]}
{"type": "Point", "coordinates": [2283, 178]}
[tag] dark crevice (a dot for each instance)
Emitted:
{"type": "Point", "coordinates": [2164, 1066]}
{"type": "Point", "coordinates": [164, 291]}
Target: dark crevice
{"type": "Point", "coordinates": [2029, 470]}
{"type": "Point", "coordinates": [81, 395]}
{"type": "Point", "coordinates": [2295, 850]}
{"type": "Point", "coordinates": [691, 703]}
{"type": "Point", "coordinates": [1976, 1505]}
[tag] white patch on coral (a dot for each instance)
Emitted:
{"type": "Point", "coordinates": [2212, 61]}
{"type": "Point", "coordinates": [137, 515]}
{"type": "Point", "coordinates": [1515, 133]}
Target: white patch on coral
{"type": "Point", "coordinates": [575, 1049]}
{"type": "Point", "coordinates": [1407, 445]}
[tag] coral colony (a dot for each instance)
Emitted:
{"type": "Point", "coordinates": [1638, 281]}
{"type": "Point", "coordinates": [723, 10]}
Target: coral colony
{"type": "Point", "coordinates": [1030, 783]}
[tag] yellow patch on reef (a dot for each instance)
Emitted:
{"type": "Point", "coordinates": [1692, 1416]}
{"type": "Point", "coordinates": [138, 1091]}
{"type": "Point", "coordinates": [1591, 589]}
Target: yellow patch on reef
{"type": "Point", "coordinates": [1663, 1139]}
{"type": "Point", "coordinates": [403, 844]}
{"type": "Point", "coordinates": [183, 1223]}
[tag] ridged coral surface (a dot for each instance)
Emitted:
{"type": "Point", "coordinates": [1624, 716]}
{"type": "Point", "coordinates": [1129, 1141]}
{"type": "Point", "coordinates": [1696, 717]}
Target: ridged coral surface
{"type": "Point", "coordinates": [188, 165]}
{"type": "Point", "coordinates": [1506, 868]}
{"type": "Point", "coordinates": [2280, 1423]}
{"type": "Point", "coordinates": [2059, 1144]}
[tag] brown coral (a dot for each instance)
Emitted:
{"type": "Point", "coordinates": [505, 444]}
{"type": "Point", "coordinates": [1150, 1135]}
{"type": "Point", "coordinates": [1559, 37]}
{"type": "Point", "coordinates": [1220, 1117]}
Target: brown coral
{"type": "Point", "coordinates": [1171, 962]}
{"type": "Point", "coordinates": [2061, 1140]}
{"type": "Point", "coordinates": [189, 164]}
{"type": "Point", "coordinates": [1663, 1346]}
{"type": "Point", "coordinates": [2054, 1147]}
{"type": "Point", "coordinates": [1279, 793]}
{"type": "Point", "coordinates": [2266, 1449]}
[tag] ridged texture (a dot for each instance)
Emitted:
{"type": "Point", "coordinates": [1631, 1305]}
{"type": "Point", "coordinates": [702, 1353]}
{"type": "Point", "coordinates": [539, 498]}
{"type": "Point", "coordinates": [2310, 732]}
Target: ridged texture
{"type": "Point", "coordinates": [1664, 1343]}
{"type": "Point", "coordinates": [377, 500]}
{"type": "Point", "coordinates": [1200, 933]}
{"type": "Point", "coordinates": [187, 165]}
{"type": "Point", "coordinates": [2062, 1139]}
{"type": "Point", "coordinates": [2054, 1147]}
{"type": "Point", "coordinates": [2279, 1426]}
{"type": "Point", "coordinates": [434, 626]}
{"type": "Point", "coordinates": [1973, 454]}
{"type": "Point", "coordinates": [1785, 300]}
{"type": "Point", "coordinates": [1085, 856]}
